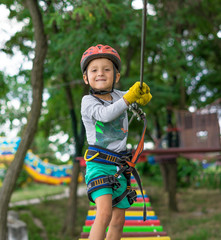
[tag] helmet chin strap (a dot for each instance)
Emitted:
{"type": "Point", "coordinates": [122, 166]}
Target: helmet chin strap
{"type": "Point", "coordinates": [101, 92]}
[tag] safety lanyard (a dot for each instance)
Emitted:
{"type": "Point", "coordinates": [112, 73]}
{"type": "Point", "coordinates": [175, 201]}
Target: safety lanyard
{"type": "Point", "coordinates": [140, 145]}
{"type": "Point", "coordinates": [140, 116]}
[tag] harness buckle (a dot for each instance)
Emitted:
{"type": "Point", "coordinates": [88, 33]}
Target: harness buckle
{"type": "Point", "coordinates": [126, 159]}
{"type": "Point", "coordinates": [115, 183]}
{"type": "Point", "coordinates": [132, 196]}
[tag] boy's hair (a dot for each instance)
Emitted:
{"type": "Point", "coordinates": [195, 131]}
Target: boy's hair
{"type": "Point", "coordinates": [100, 51]}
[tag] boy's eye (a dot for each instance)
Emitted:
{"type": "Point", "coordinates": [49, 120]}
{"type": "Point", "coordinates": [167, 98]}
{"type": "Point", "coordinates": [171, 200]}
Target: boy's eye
{"type": "Point", "coordinates": [107, 69]}
{"type": "Point", "coordinates": [93, 70]}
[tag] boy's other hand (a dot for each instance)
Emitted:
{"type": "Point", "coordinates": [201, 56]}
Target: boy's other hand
{"type": "Point", "coordinates": [135, 93]}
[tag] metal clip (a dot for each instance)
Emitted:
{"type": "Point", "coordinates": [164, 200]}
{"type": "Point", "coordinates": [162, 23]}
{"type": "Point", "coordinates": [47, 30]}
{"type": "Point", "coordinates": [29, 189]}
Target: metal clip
{"type": "Point", "coordinates": [138, 112]}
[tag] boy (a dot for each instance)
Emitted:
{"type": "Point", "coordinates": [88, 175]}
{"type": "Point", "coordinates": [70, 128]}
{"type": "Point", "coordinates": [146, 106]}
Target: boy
{"type": "Point", "coordinates": [104, 114]}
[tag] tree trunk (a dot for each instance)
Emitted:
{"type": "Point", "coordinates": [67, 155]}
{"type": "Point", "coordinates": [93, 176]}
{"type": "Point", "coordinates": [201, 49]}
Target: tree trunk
{"type": "Point", "coordinates": [172, 179]}
{"type": "Point", "coordinates": [31, 127]}
{"type": "Point", "coordinates": [71, 216]}
{"type": "Point", "coordinates": [130, 53]}
{"type": "Point", "coordinates": [168, 169]}
{"type": "Point", "coordinates": [165, 174]}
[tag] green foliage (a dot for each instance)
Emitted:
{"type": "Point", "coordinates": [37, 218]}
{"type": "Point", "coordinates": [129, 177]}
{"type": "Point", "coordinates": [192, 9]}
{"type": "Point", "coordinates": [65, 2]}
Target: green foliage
{"type": "Point", "coordinates": [51, 215]}
{"type": "Point", "coordinates": [210, 177]}
{"type": "Point", "coordinates": [32, 227]}
{"type": "Point", "coordinates": [22, 180]}
{"type": "Point", "coordinates": [3, 86]}
{"type": "Point", "coordinates": [150, 171]}
{"type": "Point", "coordinates": [182, 63]}
{"type": "Point", "coordinates": [187, 172]}
{"type": "Point", "coordinates": [192, 173]}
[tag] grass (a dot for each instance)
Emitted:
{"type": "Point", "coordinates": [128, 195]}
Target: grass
{"type": "Point", "coordinates": [199, 215]}
{"type": "Point", "coordinates": [35, 190]}
{"type": "Point", "coordinates": [51, 214]}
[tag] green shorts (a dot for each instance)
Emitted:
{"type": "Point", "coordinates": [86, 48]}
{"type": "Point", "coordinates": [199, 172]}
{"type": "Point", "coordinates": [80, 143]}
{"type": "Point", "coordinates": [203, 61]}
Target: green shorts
{"type": "Point", "coordinates": [94, 169]}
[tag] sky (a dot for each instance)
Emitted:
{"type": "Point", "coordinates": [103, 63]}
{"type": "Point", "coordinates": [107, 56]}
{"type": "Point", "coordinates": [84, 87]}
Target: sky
{"type": "Point", "coordinates": [9, 65]}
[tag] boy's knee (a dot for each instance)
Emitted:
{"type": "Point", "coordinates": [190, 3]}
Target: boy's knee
{"type": "Point", "coordinates": [118, 221]}
{"type": "Point", "coordinates": [104, 216]}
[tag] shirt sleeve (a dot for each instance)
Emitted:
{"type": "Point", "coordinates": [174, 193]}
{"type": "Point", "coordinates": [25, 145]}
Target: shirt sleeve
{"type": "Point", "coordinates": [94, 109]}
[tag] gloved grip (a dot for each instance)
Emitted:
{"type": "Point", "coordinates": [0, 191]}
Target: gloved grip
{"type": "Point", "coordinates": [135, 92]}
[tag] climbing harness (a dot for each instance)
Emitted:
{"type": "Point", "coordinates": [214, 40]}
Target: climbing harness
{"type": "Point", "coordinates": [126, 163]}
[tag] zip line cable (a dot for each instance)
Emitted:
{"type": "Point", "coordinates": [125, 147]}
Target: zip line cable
{"type": "Point", "coordinates": [134, 106]}
{"type": "Point", "coordinates": [143, 39]}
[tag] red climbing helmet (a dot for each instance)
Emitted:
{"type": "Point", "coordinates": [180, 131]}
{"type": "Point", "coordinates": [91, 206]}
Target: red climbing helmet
{"type": "Point", "coordinates": [100, 51]}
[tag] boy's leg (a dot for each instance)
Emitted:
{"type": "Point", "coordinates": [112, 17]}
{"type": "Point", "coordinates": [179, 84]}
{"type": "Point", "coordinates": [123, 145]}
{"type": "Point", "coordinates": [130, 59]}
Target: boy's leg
{"type": "Point", "coordinates": [103, 217]}
{"type": "Point", "coordinates": [116, 224]}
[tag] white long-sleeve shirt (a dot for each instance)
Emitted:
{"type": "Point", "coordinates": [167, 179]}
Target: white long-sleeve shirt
{"type": "Point", "coordinates": [106, 123]}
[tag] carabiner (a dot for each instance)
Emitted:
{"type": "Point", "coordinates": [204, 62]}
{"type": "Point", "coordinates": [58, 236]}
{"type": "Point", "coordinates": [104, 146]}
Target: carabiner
{"type": "Point", "coordinates": [91, 158]}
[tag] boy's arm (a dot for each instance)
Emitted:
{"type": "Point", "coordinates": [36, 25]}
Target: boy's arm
{"type": "Point", "coordinates": [126, 101]}
{"type": "Point", "coordinates": [94, 109]}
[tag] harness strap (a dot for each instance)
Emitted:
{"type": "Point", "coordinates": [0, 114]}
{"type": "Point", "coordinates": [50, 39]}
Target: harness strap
{"type": "Point", "coordinates": [137, 178]}
{"type": "Point", "coordinates": [100, 156]}
{"type": "Point", "coordinates": [126, 193]}
{"type": "Point", "coordinates": [116, 200]}
{"type": "Point", "coordinates": [122, 170]}
{"type": "Point", "coordinates": [107, 181]}
{"type": "Point", "coordinates": [132, 196]}
{"type": "Point", "coordinates": [140, 146]}
{"type": "Point", "coordinates": [111, 181]}
{"type": "Point", "coordinates": [104, 156]}
{"type": "Point", "coordinates": [127, 172]}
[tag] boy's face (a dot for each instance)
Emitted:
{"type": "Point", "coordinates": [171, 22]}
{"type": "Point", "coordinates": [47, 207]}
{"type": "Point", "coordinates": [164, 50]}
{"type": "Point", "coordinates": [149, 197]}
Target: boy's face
{"type": "Point", "coordinates": [100, 74]}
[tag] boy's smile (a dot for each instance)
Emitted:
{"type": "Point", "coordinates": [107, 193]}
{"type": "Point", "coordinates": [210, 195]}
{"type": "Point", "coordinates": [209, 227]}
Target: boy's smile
{"type": "Point", "coordinates": [100, 74]}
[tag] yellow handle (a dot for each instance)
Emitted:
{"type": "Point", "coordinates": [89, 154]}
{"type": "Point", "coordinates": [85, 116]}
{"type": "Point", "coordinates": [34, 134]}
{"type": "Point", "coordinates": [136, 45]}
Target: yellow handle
{"type": "Point", "coordinates": [91, 158]}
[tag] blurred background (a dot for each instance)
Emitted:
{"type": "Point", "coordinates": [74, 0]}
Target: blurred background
{"type": "Point", "coordinates": [182, 67]}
